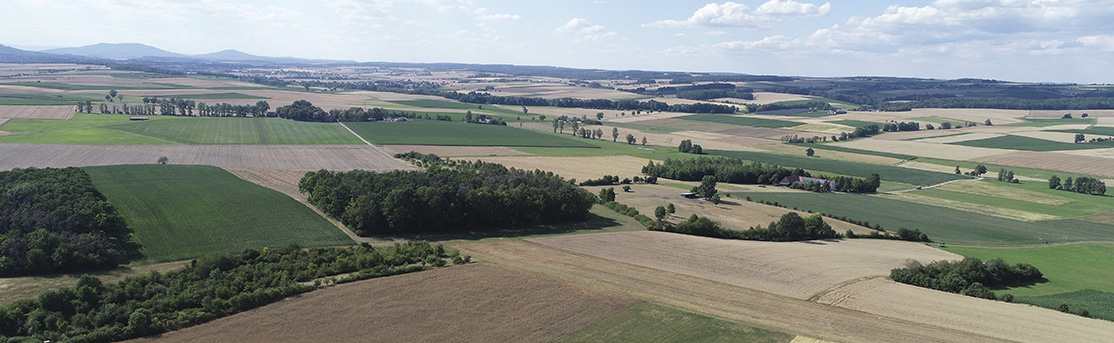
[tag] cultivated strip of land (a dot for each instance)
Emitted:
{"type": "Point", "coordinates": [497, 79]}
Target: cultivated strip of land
{"type": "Point", "coordinates": [342, 157]}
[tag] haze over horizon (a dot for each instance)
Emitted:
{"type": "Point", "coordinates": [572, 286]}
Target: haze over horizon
{"type": "Point", "coordinates": [1037, 41]}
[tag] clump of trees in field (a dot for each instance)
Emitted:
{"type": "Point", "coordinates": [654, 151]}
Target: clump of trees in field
{"type": "Point", "coordinates": [687, 147]}
{"type": "Point", "coordinates": [777, 106]}
{"type": "Point", "coordinates": [469, 196]}
{"type": "Point", "coordinates": [210, 287]}
{"type": "Point", "coordinates": [1007, 176]}
{"type": "Point", "coordinates": [732, 170]}
{"type": "Point", "coordinates": [901, 126]}
{"type": "Point", "coordinates": [303, 110]}
{"type": "Point", "coordinates": [971, 276]}
{"type": "Point", "coordinates": [614, 180]}
{"type": "Point", "coordinates": [1082, 184]}
{"type": "Point", "coordinates": [790, 227]}
{"type": "Point", "coordinates": [53, 220]}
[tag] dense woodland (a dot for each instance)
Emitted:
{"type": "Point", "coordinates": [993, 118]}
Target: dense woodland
{"type": "Point", "coordinates": [210, 287]}
{"type": "Point", "coordinates": [53, 220]}
{"type": "Point", "coordinates": [970, 276]}
{"type": "Point", "coordinates": [461, 198]}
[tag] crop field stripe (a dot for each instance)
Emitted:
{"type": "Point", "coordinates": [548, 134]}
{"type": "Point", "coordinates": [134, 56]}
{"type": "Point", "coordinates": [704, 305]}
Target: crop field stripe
{"type": "Point", "coordinates": [743, 121]}
{"type": "Point", "coordinates": [857, 151]}
{"type": "Point", "coordinates": [1031, 144]}
{"type": "Point", "coordinates": [940, 223]}
{"type": "Point", "coordinates": [1098, 303]}
{"type": "Point", "coordinates": [857, 169]}
{"type": "Point", "coordinates": [647, 322]}
{"type": "Point", "coordinates": [430, 132]}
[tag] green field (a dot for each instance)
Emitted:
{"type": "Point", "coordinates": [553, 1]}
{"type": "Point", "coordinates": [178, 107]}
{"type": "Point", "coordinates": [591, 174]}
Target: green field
{"type": "Point", "coordinates": [857, 169]}
{"type": "Point", "coordinates": [1045, 122]}
{"type": "Point", "coordinates": [1098, 303]}
{"type": "Point", "coordinates": [432, 132]}
{"type": "Point", "coordinates": [855, 123]}
{"type": "Point", "coordinates": [646, 322]}
{"type": "Point", "coordinates": [52, 99]}
{"type": "Point", "coordinates": [1081, 205]}
{"type": "Point", "coordinates": [1031, 144]}
{"type": "Point", "coordinates": [993, 168]}
{"type": "Point", "coordinates": [841, 148]}
{"type": "Point", "coordinates": [433, 103]}
{"type": "Point", "coordinates": [73, 87]}
{"type": "Point", "coordinates": [228, 95]}
{"type": "Point", "coordinates": [105, 129]}
{"type": "Point", "coordinates": [940, 223]}
{"type": "Point", "coordinates": [743, 121]}
{"type": "Point", "coordinates": [183, 211]}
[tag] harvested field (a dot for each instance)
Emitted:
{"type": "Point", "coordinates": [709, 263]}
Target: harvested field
{"type": "Point", "coordinates": [763, 98]}
{"type": "Point", "coordinates": [1101, 218]}
{"type": "Point", "coordinates": [1103, 153]}
{"type": "Point", "coordinates": [648, 117]}
{"type": "Point", "coordinates": [762, 309]}
{"type": "Point", "coordinates": [35, 112]}
{"type": "Point", "coordinates": [1105, 121]}
{"type": "Point", "coordinates": [916, 198]}
{"type": "Point", "coordinates": [341, 157]}
{"type": "Point", "coordinates": [822, 129]}
{"type": "Point", "coordinates": [732, 213]}
{"type": "Point", "coordinates": [453, 150]}
{"type": "Point", "coordinates": [961, 138]}
{"type": "Point", "coordinates": [474, 303]}
{"type": "Point", "coordinates": [1056, 114]}
{"type": "Point", "coordinates": [986, 188]}
{"type": "Point", "coordinates": [580, 168]}
{"type": "Point", "coordinates": [1050, 136]}
{"type": "Point", "coordinates": [916, 135]}
{"type": "Point", "coordinates": [793, 269]}
{"type": "Point", "coordinates": [832, 154]}
{"type": "Point", "coordinates": [13, 289]}
{"type": "Point", "coordinates": [977, 115]}
{"type": "Point", "coordinates": [1014, 322]}
{"type": "Point", "coordinates": [916, 148]}
{"type": "Point", "coordinates": [283, 181]}
{"type": "Point", "coordinates": [1076, 162]}
{"type": "Point", "coordinates": [748, 131]}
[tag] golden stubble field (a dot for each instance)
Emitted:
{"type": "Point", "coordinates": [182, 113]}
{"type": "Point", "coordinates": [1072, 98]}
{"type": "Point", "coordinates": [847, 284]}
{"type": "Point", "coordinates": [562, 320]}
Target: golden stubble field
{"type": "Point", "coordinates": [35, 112]}
{"type": "Point", "coordinates": [580, 168]}
{"type": "Point", "coordinates": [473, 303]}
{"type": "Point", "coordinates": [794, 269]}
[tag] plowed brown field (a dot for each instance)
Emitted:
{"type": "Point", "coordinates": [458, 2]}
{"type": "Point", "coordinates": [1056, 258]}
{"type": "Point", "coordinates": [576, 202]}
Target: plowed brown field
{"type": "Point", "coordinates": [793, 269]}
{"type": "Point", "coordinates": [1015, 322]}
{"type": "Point", "coordinates": [752, 307]}
{"type": "Point", "coordinates": [471, 303]}
{"type": "Point", "coordinates": [234, 156]}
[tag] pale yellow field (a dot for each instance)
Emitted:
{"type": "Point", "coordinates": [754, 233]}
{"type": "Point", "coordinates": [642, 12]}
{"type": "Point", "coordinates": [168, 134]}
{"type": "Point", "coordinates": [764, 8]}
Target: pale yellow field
{"type": "Point", "coordinates": [450, 151]}
{"type": "Point", "coordinates": [991, 189]}
{"type": "Point", "coordinates": [1014, 322]}
{"type": "Point", "coordinates": [822, 129]}
{"type": "Point", "coordinates": [927, 166]}
{"type": "Point", "coordinates": [580, 168]}
{"type": "Point", "coordinates": [763, 98]}
{"type": "Point", "coordinates": [1086, 162]}
{"type": "Point", "coordinates": [979, 115]}
{"type": "Point", "coordinates": [969, 207]}
{"type": "Point", "coordinates": [961, 138]}
{"type": "Point", "coordinates": [794, 269]}
{"type": "Point", "coordinates": [36, 112]}
{"type": "Point", "coordinates": [736, 214]}
{"type": "Point", "coordinates": [908, 135]}
{"type": "Point", "coordinates": [1062, 137]}
{"type": "Point", "coordinates": [942, 151]}
{"type": "Point", "coordinates": [1105, 121]}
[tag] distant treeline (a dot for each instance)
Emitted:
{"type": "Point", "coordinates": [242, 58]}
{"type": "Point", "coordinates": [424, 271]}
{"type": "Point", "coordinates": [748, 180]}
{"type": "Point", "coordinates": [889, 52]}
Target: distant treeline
{"type": "Point", "coordinates": [303, 110]}
{"type": "Point", "coordinates": [470, 196]}
{"type": "Point", "coordinates": [210, 287]}
{"type": "Point", "coordinates": [971, 276]}
{"type": "Point", "coordinates": [790, 228]}
{"type": "Point", "coordinates": [600, 104]}
{"type": "Point", "coordinates": [732, 170]}
{"type": "Point", "coordinates": [178, 107]}
{"type": "Point", "coordinates": [53, 220]}
{"type": "Point", "coordinates": [815, 105]}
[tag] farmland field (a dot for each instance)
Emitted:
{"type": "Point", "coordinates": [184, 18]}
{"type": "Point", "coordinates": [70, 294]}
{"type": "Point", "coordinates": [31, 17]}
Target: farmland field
{"type": "Point", "coordinates": [739, 120]}
{"type": "Point", "coordinates": [1067, 163]}
{"type": "Point", "coordinates": [1031, 144]}
{"type": "Point", "coordinates": [1095, 130]}
{"type": "Point", "coordinates": [1098, 304]}
{"type": "Point", "coordinates": [475, 303]}
{"type": "Point", "coordinates": [888, 173]}
{"type": "Point", "coordinates": [1068, 267]}
{"type": "Point", "coordinates": [940, 223]}
{"type": "Point", "coordinates": [645, 322]}
{"type": "Point", "coordinates": [1028, 196]}
{"type": "Point", "coordinates": [430, 132]}
{"type": "Point", "coordinates": [181, 212]}
{"type": "Point", "coordinates": [98, 129]}
{"type": "Point", "coordinates": [795, 269]}
{"type": "Point", "coordinates": [286, 157]}
{"type": "Point", "coordinates": [36, 112]}
{"type": "Point", "coordinates": [854, 123]}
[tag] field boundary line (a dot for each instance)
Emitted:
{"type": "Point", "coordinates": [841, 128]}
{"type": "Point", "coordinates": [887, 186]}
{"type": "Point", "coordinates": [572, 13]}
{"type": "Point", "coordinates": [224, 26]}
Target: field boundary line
{"type": "Point", "coordinates": [362, 139]}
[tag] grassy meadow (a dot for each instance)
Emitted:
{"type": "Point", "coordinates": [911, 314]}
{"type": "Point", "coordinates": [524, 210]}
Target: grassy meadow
{"type": "Point", "coordinates": [433, 132]}
{"type": "Point", "coordinates": [739, 120]}
{"type": "Point", "coordinates": [820, 165]}
{"type": "Point", "coordinates": [183, 211]}
{"type": "Point", "coordinates": [1031, 144]}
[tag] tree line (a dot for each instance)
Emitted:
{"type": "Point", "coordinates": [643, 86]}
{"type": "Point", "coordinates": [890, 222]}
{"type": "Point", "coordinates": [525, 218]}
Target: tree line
{"type": "Point", "coordinates": [599, 104]}
{"type": "Point", "coordinates": [53, 220]}
{"type": "Point", "coordinates": [971, 276]}
{"type": "Point", "coordinates": [1082, 184]}
{"type": "Point", "coordinates": [816, 105]}
{"type": "Point", "coordinates": [733, 170]}
{"type": "Point", "coordinates": [179, 107]}
{"type": "Point", "coordinates": [470, 196]}
{"type": "Point", "coordinates": [303, 110]}
{"type": "Point", "coordinates": [211, 287]}
{"type": "Point", "coordinates": [790, 227]}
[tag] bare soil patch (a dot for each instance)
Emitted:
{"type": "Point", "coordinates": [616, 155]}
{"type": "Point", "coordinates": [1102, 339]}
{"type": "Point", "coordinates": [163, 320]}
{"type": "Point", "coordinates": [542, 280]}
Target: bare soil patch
{"type": "Point", "coordinates": [793, 269]}
{"type": "Point", "coordinates": [344, 157]}
{"type": "Point", "coordinates": [453, 150]}
{"type": "Point", "coordinates": [474, 303]}
{"type": "Point", "coordinates": [736, 214]}
{"type": "Point", "coordinates": [35, 112]}
{"type": "Point", "coordinates": [1015, 322]}
{"type": "Point", "coordinates": [1078, 162]}
{"type": "Point", "coordinates": [752, 307]}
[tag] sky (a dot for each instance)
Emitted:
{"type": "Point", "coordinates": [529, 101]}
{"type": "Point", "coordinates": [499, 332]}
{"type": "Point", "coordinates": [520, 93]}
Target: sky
{"type": "Point", "coordinates": [1014, 40]}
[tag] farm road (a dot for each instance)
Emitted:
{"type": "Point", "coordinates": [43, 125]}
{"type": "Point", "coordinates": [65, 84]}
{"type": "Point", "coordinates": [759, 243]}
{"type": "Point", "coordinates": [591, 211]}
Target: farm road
{"type": "Point", "coordinates": [738, 304]}
{"type": "Point", "coordinates": [284, 157]}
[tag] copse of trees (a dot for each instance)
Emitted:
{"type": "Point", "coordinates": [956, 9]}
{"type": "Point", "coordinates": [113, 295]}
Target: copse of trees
{"type": "Point", "coordinates": [971, 276]}
{"type": "Point", "coordinates": [813, 105]}
{"type": "Point", "coordinates": [790, 227]}
{"type": "Point", "coordinates": [687, 147]}
{"type": "Point", "coordinates": [53, 220]}
{"type": "Point", "coordinates": [210, 287]}
{"type": "Point", "coordinates": [725, 169]}
{"type": "Point", "coordinates": [470, 196]}
{"type": "Point", "coordinates": [1082, 184]}
{"type": "Point", "coordinates": [901, 126]}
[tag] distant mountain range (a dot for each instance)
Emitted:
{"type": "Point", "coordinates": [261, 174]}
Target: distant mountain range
{"type": "Point", "coordinates": [137, 51]}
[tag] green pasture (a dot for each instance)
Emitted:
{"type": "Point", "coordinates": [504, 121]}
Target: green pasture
{"type": "Point", "coordinates": [855, 123]}
{"type": "Point", "coordinates": [183, 211]}
{"type": "Point", "coordinates": [646, 322]}
{"type": "Point", "coordinates": [1031, 144]}
{"type": "Point", "coordinates": [107, 129]}
{"type": "Point", "coordinates": [1045, 122]}
{"type": "Point", "coordinates": [205, 96]}
{"type": "Point", "coordinates": [940, 223]}
{"type": "Point", "coordinates": [1068, 267]}
{"type": "Point", "coordinates": [47, 99]}
{"type": "Point", "coordinates": [992, 169]}
{"type": "Point", "coordinates": [1094, 130]}
{"type": "Point", "coordinates": [434, 103]}
{"type": "Point", "coordinates": [1081, 205]}
{"type": "Point", "coordinates": [432, 132]}
{"type": "Point", "coordinates": [1098, 304]}
{"type": "Point", "coordinates": [81, 129]}
{"type": "Point", "coordinates": [841, 148]}
{"type": "Point", "coordinates": [739, 120]}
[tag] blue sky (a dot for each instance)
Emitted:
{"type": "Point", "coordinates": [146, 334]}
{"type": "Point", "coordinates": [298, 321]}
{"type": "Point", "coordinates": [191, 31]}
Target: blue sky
{"type": "Point", "coordinates": [1017, 40]}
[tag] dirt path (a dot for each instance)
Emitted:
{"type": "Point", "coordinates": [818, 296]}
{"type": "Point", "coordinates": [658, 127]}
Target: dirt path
{"type": "Point", "coordinates": [934, 186]}
{"type": "Point", "coordinates": [739, 304]}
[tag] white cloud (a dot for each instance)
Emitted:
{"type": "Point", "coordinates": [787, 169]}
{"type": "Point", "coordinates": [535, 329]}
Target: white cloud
{"type": "Point", "coordinates": [1101, 42]}
{"type": "Point", "coordinates": [715, 33]}
{"type": "Point", "coordinates": [499, 17]}
{"type": "Point", "coordinates": [582, 30]}
{"type": "Point", "coordinates": [793, 8]}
